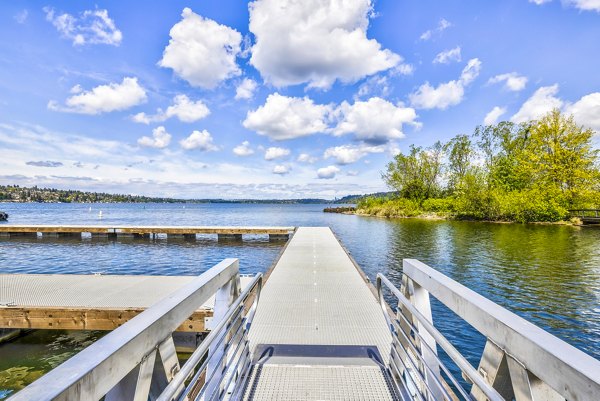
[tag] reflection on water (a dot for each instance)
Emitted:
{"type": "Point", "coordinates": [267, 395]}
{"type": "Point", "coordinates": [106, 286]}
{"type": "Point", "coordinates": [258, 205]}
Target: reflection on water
{"type": "Point", "coordinates": [27, 359]}
{"type": "Point", "coordinates": [548, 274]}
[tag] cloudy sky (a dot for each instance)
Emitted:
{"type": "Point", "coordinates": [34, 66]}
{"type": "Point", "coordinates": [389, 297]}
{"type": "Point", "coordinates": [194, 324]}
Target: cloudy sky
{"type": "Point", "coordinates": [274, 98]}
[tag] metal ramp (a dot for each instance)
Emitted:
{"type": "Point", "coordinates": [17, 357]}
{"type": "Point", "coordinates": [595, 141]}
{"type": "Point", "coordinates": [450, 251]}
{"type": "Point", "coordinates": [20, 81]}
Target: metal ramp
{"type": "Point", "coordinates": [318, 333]}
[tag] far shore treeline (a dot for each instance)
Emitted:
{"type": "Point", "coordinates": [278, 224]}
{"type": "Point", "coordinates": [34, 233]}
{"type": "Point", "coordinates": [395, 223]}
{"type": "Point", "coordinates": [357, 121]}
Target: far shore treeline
{"type": "Point", "coordinates": [530, 172]}
{"type": "Point", "coordinates": [16, 193]}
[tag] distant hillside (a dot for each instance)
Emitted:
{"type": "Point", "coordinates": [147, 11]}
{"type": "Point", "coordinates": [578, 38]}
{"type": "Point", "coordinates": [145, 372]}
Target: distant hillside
{"type": "Point", "coordinates": [16, 193]}
{"type": "Point", "coordinates": [355, 198]}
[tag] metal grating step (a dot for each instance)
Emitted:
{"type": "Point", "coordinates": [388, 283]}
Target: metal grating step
{"type": "Point", "coordinates": [317, 382]}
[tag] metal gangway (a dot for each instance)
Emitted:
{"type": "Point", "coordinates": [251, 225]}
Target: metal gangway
{"type": "Point", "coordinates": [317, 329]}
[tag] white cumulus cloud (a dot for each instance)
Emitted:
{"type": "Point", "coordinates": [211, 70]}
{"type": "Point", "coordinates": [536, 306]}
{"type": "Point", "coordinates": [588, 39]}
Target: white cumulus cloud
{"type": "Point", "coordinates": [160, 139]}
{"type": "Point", "coordinates": [104, 98]}
{"type": "Point", "coordinates": [315, 42]}
{"type": "Point", "coordinates": [448, 56]}
{"type": "Point", "coordinates": [327, 173]}
{"type": "Point", "coordinates": [541, 102]}
{"type": "Point", "coordinates": [281, 169]}
{"type": "Point", "coordinates": [374, 120]}
{"type": "Point", "coordinates": [586, 111]}
{"type": "Point", "coordinates": [243, 149]}
{"type": "Point", "coordinates": [283, 117]}
{"type": "Point", "coordinates": [183, 108]}
{"type": "Point", "coordinates": [202, 51]}
{"type": "Point", "coordinates": [306, 158]}
{"type": "Point", "coordinates": [246, 88]}
{"type": "Point", "coordinates": [512, 81]}
{"type": "Point", "coordinates": [492, 117]}
{"type": "Point", "coordinates": [585, 5]}
{"type": "Point", "coordinates": [276, 153]}
{"type": "Point", "coordinates": [201, 140]}
{"type": "Point", "coordinates": [90, 27]}
{"type": "Point", "coordinates": [348, 154]}
{"type": "Point", "coordinates": [446, 94]}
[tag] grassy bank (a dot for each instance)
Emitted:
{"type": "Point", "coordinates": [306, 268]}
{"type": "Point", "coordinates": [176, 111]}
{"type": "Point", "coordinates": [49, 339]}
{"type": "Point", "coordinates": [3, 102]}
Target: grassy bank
{"type": "Point", "coordinates": [509, 208]}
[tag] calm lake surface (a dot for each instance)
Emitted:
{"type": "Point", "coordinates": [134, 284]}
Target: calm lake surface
{"type": "Point", "coordinates": [547, 274]}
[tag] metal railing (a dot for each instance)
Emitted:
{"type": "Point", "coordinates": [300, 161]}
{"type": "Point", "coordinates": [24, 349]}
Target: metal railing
{"type": "Point", "coordinates": [585, 213]}
{"type": "Point", "coordinates": [520, 360]}
{"type": "Point", "coordinates": [218, 368]}
{"type": "Point", "coordinates": [138, 360]}
{"type": "Point", "coordinates": [414, 362]}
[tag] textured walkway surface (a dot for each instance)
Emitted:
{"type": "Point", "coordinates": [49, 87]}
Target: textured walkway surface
{"type": "Point", "coordinates": [318, 333]}
{"type": "Point", "coordinates": [90, 291]}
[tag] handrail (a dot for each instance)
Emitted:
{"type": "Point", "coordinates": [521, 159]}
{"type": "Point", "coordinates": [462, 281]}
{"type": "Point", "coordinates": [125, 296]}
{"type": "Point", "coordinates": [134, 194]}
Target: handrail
{"type": "Point", "coordinates": [170, 392]}
{"type": "Point", "coordinates": [92, 373]}
{"type": "Point", "coordinates": [452, 352]}
{"type": "Point", "coordinates": [563, 368]}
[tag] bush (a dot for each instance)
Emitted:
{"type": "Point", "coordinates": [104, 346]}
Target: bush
{"type": "Point", "coordinates": [533, 205]}
{"type": "Point", "coordinates": [439, 205]}
{"type": "Point", "coordinates": [398, 207]}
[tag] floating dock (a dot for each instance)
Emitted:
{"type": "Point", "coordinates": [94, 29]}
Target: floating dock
{"type": "Point", "coordinates": [317, 329]}
{"type": "Point", "coordinates": [104, 231]}
{"type": "Point", "coordinates": [89, 302]}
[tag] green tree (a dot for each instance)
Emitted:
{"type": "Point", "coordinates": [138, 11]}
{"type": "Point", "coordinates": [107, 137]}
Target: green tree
{"type": "Point", "coordinates": [416, 175]}
{"type": "Point", "coordinates": [459, 160]}
{"type": "Point", "coordinates": [559, 155]}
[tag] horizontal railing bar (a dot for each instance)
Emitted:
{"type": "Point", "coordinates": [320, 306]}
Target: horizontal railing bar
{"type": "Point", "coordinates": [569, 371]}
{"type": "Point", "coordinates": [452, 352]}
{"type": "Point", "coordinates": [412, 379]}
{"type": "Point", "coordinates": [208, 358]}
{"type": "Point", "coordinates": [227, 368]}
{"type": "Point", "coordinates": [441, 364]}
{"type": "Point", "coordinates": [404, 382]}
{"type": "Point", "coordinates": [90, 374]}
{"type": "Point", "coordinates": [220, 369]}
{"type": "Point", "coordinates": [186, 370]}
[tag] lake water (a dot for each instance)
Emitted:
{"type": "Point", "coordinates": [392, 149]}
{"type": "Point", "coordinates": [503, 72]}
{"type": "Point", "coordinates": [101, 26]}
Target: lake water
{"type": "Point", "coordinates": [548, 274]}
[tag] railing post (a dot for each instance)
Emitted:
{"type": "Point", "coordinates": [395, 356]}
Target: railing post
{"type": "Point", "coordinates": [224, 297]}
{"type": "Point", "coordinates": [136, 384]}
{"type": "Point", "coordinates": [419, 297]}
{"type": "Point", "coordinates": [494, 369]}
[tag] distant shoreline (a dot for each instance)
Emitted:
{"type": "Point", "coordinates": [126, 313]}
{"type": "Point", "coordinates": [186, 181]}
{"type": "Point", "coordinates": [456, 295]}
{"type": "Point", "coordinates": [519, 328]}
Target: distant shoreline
{"type": "Point", "coordinates": [440, 216]}
{"type": "Point", "coordinates": [18, 194]}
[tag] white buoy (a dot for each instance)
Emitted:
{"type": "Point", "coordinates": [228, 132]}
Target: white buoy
{"type": "Point", "coordinates": [90, 209]}
{"type": "Point", "coordinates": [100, 214]}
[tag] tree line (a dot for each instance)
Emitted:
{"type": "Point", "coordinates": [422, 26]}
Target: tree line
{"type": "Point", "coordinates": [534, 171]}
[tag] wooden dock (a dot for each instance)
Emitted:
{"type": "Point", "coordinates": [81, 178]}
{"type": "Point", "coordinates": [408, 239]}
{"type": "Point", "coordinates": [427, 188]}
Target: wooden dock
{"type": "Point", "coordinates": [587, 216]}
{"type": "Point", "coordinates": [105, 231]}
{"type": "Point", "coordinates": [89, 302]}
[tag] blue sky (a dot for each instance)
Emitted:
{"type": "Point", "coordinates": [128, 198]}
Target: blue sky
{"type": "Point", "coordinates": [274, 99]}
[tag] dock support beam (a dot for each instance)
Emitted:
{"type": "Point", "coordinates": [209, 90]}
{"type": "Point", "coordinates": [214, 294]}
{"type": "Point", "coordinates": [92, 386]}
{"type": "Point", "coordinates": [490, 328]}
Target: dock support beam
{"type": "Point", "coordinates": [104, 235]}
{"type": "Point", "coordinates": [229, 237]}
{"type": "Point", "coordinates": [9, 334]}
{"type": "Point", "coordinates": [59, 235]}
{"type": "Point", "coordinates": [20, 234]}
{"type": "Point", "coordinates": [278, 237]}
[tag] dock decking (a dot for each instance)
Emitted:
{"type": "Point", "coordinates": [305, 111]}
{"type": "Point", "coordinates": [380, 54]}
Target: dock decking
{"type": "Point", "coordinates": [141, 231]}
{"type": "Point", "coordinates": [88, 302]}
{"type": "Point", "coordinates": [318, 333]}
